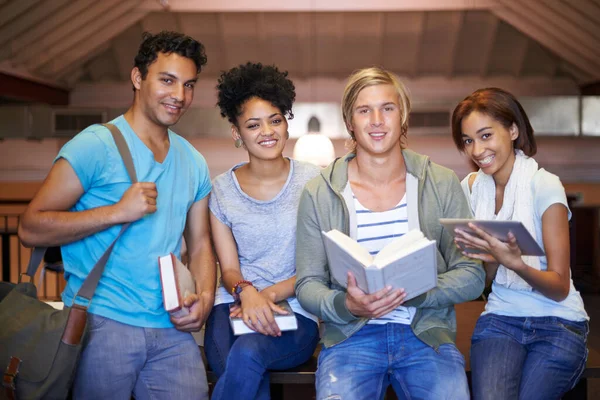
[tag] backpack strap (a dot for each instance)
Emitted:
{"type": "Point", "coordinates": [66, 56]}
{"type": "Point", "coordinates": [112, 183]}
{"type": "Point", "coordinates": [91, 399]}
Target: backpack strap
{"type": "Point", "coordinates": [88, 288]}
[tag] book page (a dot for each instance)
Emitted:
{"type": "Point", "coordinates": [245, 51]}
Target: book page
{"type": "Point", "coordinates": [185, 279]}
{"type": "Point", "coordinates": [402, 245]}
{"type": "Point", "coordinates": [416, 271]}
{"type": "Point", "coordinates": [344, 255]}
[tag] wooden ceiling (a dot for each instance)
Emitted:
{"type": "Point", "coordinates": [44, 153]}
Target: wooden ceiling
{"type": "Point", "coordinates": [69, 42]}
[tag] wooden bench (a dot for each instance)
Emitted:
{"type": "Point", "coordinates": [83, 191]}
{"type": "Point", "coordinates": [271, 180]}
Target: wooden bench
{"type": "Point", "coordinates": [298, 383]}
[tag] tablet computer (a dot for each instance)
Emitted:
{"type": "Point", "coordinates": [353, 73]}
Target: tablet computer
{"type": "Point", "coordinates": [498, 229]}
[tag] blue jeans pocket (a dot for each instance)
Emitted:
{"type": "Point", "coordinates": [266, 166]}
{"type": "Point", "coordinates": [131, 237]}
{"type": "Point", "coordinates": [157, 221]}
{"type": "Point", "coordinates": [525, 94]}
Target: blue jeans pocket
{"type": "Point", "coordinates": [96, 322]}
{"type": "Point", "coordinates": [484, 326]}
{"type": "Point", "coordinates": [581, 329]}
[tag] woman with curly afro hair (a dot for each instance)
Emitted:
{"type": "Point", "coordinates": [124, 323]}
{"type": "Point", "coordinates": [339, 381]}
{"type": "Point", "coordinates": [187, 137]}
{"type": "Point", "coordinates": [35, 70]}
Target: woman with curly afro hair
{"type": "Point", "coordinates": [253, 219]}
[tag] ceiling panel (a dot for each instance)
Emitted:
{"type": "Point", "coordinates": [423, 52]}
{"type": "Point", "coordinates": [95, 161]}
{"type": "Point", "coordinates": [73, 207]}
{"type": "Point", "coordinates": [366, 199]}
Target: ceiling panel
{"type": "Point", "coordinates": [475, 41]}
{"type": "Point", "coordinates": [508, 50]}
{"type": "Point", "coordinates": [401, 41]}
{"type": "Point", "coordinates": [361, 42]}
{"type": "Point", "coordinates": [240, 38]}
{"type": "Point", "coordinates": [74, 41]}
{"type": "Point", "coordinates": [436, 53]}
{"type": "Point", "coordinates": [205, 27]}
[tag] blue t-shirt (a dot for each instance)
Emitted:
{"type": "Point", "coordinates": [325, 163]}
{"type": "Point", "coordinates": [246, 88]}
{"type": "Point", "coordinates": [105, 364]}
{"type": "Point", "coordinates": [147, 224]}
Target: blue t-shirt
{"type": "Point", "coordinates": [129, 290]}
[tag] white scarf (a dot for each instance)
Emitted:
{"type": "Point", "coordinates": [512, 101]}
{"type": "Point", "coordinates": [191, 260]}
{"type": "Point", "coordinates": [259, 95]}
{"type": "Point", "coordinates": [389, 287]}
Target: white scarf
{"type": "Point", "coordinates": [516, 206]}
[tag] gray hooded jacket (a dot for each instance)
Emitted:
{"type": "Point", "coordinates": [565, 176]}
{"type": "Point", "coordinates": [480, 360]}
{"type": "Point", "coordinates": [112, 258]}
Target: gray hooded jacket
{"type": "Point", "coordinates": [324, 205]}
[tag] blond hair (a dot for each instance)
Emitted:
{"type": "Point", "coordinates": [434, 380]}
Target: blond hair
{"type": "Point", "coordinates": [373, 76]}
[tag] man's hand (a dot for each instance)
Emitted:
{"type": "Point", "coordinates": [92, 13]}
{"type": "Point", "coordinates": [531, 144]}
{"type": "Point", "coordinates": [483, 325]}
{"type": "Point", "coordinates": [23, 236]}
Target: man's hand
{"type": "Point", "coordinates": [137, 201]}
{"type": "Point", "coordinates": [200, 307]}
{"type": "Point", "coordinates": [372, 305]}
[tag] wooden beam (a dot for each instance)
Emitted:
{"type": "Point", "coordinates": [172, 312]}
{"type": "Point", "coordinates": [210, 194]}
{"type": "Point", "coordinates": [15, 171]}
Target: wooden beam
{"type": "Point", "coordinates": [490, 39]}
{"type": "Point", "coordinates": [26, 22]}
{"type": "Point", "coordinates": [568, 12]}
{"type": "Point", "coordinates": [560, 26]}
{"type": "Point", "coordinates": [14, 9]}
{"type": "Point", "coordinates": [379, 37]}
{"type": "Point", "coordinates": [520, 57]}
{"type": "Point", "coordinates": [418, 48]}
{"type": "Point", "coordinates": [81, 53]}
{"type": "Point", "coordinates": [318, 5]}
{"type": "Point", "coordinates": [223, 56]}
{"type": "Point", "coordinates": [587, 8]}
{"type": "Point", "coordinates": [45, 45]}
{"type": "Point", "coordinates": [540, 34]}
{"type": "Point", "coordinates": [87, 37]}
{"type": "Point", "coordinates": [305, 37]}
{"type": "Point", "coordinates": [261, 36]}
{"type": "Point", "coordinates": [118, 95]}
{"type": "Point", "coordinates": [579, 76]}
{"type": "Point", "coordinates": [453, 42]}
{"type": "Point", "coordinates": [26, 90]}
{"type": "Point", "coordinates": [22, 42]}
{"type": "Point", "coordinates": [591, 89]}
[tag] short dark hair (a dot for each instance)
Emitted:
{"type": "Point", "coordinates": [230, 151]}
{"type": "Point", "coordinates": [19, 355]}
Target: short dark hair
{"type": "Point", "coordinates": [249, 80]}
{"type": "Point", "coordinates": [168, 42]}
{"type": "Point", "coordinates": [501, 106]}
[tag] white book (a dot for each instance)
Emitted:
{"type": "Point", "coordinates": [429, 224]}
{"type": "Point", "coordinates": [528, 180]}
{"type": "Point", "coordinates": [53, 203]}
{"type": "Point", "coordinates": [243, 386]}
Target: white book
{"type": "Point", "coordinates": [285, 322]}
{"type": "Point", "coordinates": [408, 262]}
{"type": "Point", "coordinates": [177, 282]}
{"type": "Point", "coordinates": [497, 228]}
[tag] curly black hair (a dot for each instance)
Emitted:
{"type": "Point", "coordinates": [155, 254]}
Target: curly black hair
{"type": "Point", "coordinates": [168, 42]}
{"type": "Point", "coordinates": [249, 80]}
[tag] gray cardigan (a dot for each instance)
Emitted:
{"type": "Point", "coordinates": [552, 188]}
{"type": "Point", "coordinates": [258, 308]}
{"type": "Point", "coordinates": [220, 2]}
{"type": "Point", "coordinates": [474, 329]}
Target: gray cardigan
{"type": "Point", "coordinates": [322, 207]}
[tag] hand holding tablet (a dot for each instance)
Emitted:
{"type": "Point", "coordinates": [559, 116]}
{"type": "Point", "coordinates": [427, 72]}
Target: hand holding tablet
{"type": "Point", "coordinates": [498, 229]}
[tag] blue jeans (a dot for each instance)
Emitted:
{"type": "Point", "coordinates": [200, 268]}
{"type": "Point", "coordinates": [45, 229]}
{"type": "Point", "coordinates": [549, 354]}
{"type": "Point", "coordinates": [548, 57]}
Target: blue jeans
{"type": "Point", "coordinates": [526, 358]}
{"type": "Point", "coordinates": [241, 362]}
{"type": "Point", "coordinates": [120, 360]}
{"type": "Point", "coordinates": [365, 364]}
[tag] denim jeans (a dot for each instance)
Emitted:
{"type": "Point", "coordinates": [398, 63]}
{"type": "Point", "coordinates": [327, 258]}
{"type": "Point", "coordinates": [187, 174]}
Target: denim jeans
{"type": "Point", "coordinates": [526, 357]}
{"type": "Point", "coordinates": [120, 360]}
{"type": "Point", "coordinates": [241, 362]}
{"type": "Point", "coordinates": [365, 364]}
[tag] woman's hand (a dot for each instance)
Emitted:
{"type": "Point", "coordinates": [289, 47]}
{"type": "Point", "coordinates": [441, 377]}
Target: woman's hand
{"type": "Point", "coordinates": [494, 250]}
{"type": "Point", "coordinates": [257, 311]}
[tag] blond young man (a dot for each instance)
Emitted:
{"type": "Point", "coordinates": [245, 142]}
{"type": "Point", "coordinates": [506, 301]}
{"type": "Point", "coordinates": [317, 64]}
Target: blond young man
{"type": "Point", "coordinates": [379, 191]}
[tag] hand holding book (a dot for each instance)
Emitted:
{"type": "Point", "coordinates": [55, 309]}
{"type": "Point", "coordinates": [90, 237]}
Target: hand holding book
{"type": "Point", "coordinates": [373, 305]}
{"type": "Point", "coordinates": [408, 262]}
{"type": "Point", "coordinates": [188, 310]}
{"type": "Point", "coordinates": [258, 311]}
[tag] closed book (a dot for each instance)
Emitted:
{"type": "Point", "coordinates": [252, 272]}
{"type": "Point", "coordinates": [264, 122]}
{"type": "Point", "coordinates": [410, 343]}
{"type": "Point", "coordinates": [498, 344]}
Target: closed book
{"type": "Point", "coordinates": [177, 282]}
{"type": "Point", "coordinates": [285, 322]}
{"type": "Point", "coordinates": [408, 262]}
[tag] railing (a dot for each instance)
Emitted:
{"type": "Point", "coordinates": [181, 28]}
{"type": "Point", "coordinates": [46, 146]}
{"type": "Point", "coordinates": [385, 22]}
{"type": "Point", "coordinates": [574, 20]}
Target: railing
{"type": "Point", "coordinates": [15, 258]}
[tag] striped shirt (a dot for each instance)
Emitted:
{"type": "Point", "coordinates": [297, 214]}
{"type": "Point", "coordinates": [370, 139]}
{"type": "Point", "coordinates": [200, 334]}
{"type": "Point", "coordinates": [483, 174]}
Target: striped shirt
{"type": "Point", "coordinates": [374, 231]}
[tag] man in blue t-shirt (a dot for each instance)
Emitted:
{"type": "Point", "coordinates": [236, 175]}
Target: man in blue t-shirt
{"type": "Point", "coordinates": [133, 346]}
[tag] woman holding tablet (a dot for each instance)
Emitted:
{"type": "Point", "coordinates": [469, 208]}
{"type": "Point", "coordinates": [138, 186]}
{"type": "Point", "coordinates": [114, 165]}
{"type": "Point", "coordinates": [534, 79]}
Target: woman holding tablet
{"type": "Point", "coordinates": [530, 342]}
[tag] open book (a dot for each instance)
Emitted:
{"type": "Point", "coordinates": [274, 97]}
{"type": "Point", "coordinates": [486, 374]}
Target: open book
{"type": "Point", "coordinates": [177, 282]}
{"type": "Point", "coordinates": [285, 322]}
{"type": "Point", "coordinates": [408, 262]}
{"type": "Point", "coordinates": [499, 229]}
